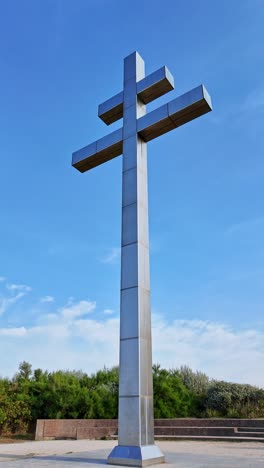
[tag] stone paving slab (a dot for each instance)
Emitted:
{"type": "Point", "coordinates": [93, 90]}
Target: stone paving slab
{"type": "Point", "coordinates": [90, 453]}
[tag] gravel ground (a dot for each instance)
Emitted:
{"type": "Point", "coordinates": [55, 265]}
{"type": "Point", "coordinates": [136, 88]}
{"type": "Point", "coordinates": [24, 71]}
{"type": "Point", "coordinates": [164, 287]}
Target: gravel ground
{"type": "Point", "coordinates": [180, 454]}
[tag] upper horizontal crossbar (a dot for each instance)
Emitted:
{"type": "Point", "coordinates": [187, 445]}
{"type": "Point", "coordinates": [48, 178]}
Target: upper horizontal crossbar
{"type": "Point", "coordinates": [177, 112]}
{"type": "Point", "coordinates": [153, 86]}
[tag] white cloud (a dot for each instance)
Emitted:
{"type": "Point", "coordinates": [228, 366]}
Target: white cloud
{"type": "Point", "coordinates": [112, 256]}
{"type": "Point", "coordinates": [68, 339]}
{"type": "Point", "coordinates": [64, 341]}
{"type": "Point", "coordinates": [15, 293]}
{"type": "Point", "coordinates": [246, 226]}
{"type": "Point", "coordinates": [109, 311]}
{"type": "Point", "coordinates": [249, 108]}
{"type": "Point", "coordinates": [70, 300]}
{"type": "Point", "coordinates": [254, 102]}
{"type": "Point", "coordinates": [98, 333]}
{"type": "Point", "coordinates": [47, 299]}
{"type": "Point", "coordinates": [79, 309]}
{"type": "Point", "coordinates": [18, 287]}
{"type": "Point", "coordinates": [19, 331]}
{"type": "Point", "coordinates": [2, 278]}
{"type": "Point", "coordinates": [6, 302]}
{"type": "Point", "coordinates": [215, 348]}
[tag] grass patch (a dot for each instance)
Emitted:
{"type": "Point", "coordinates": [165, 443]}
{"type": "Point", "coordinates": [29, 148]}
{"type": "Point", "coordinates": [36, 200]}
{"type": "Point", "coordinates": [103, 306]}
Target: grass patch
{"type": "Point", "coordinates": [14, 438]}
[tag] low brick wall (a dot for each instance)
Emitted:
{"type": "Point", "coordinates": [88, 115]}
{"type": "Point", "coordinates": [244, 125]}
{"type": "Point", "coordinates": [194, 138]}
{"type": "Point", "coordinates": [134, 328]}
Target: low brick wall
{"type": "Point", "coordinates": [97, 428]}
{"type": "Point", "coordinates": [75, 428]}
{"type": "Point", "coordinates": [212, 422]}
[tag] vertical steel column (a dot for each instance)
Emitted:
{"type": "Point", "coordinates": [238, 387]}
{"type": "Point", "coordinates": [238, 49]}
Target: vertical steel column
{"type": "Point", "coordinates": [135, 425]}
{"type": "Point", "coordinates": [136, 433]}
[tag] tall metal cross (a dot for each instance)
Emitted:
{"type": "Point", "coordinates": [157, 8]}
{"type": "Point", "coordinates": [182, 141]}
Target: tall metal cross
{"type": "Point", "coordinates": [135, 423]}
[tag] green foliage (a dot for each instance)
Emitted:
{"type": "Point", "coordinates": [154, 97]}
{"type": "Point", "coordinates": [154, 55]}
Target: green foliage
{"type": "Point", "coordinates": [233, 400]}
{"type": "Point", "coordinates": [172, 399]}
{"type": "Point", "coordinates": [25, 370]}
{"type": "Point", "coordinates": [37, 394]}
{"type": "Point", "coordinates": [196, 382]}
{"type": "Point", "coordinates": [15, 412]}
{"type": "Point", "coordinates": [56, 395]}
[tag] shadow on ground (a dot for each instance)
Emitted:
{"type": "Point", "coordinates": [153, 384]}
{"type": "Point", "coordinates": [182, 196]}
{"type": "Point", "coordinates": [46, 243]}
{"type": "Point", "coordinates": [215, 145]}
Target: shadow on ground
{"type": "Point", "coordinates": [97, 461]}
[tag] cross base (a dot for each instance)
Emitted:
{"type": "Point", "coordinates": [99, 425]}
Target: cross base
{"type": "Point", "coordinates": [135, 456]}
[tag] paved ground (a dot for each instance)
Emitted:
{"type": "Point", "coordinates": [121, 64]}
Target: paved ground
{"type": "Point", "coordinates": [180, 454]}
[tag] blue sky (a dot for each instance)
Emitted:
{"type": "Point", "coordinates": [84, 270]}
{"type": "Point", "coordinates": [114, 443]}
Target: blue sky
{"type": "Point", "coordinates": [60, 230]}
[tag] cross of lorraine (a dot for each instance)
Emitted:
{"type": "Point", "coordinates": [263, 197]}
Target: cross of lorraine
{"type": "Point", "coordinates": [136, 445]}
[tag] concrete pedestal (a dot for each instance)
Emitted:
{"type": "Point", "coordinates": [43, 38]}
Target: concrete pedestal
{"type": "Point", "coordinates": [136, 456]}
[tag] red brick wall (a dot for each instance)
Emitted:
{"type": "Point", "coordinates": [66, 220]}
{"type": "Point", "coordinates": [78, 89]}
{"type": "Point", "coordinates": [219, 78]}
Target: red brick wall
{"type": "Point", "coordinates": [98, 428]}
{"type": "Point", "coordinates": [75, 428]}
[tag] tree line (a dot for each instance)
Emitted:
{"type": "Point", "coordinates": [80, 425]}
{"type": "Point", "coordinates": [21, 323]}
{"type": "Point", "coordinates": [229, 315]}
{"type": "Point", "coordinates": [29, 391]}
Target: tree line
{"type": "Point", "coordinates": [37, 394]}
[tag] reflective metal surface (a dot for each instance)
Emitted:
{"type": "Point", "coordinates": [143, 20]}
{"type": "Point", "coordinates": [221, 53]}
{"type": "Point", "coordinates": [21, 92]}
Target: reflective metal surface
{"type": "Point", "coordinates": [112, 109]}
{"type": "Point", "coordinates": [136, 456]}
{"type": "Point", "coordinates": [99, 152]}
{"type": "Point", "coordinates": [152, 87]}
{"type": "Point", "coordinates": [155, 85]}
{"type": "Point", "coordinates": [136, 433]}
{"type": "Point", "coordinates": [181, 110]}
{"type": "Point", "coordinates": [135, 371]}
